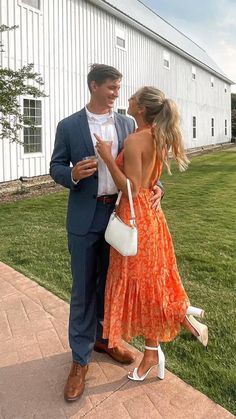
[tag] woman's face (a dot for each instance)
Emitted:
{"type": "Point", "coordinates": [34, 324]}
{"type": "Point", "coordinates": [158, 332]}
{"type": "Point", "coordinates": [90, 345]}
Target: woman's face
{"type": "Point", "coordinates": [133, 106]}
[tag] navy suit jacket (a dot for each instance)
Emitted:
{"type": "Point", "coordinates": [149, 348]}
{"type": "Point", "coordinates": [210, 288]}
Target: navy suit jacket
{"type": "Point", "coordinates": [73, 142]}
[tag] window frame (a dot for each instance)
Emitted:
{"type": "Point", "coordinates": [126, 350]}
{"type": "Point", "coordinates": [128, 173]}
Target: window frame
{"type": "Point", "coordinates": [194, 73]}
{"type": "Point", "coordinates": [194, 126]}
{"type": "Point", "coordinates": [213, 127]}
{"type": "Point", "coordinates": [122, 108]}
{"type": "Point", "coordinates": [166, 57]}
{"type": "Point", "coordinates": [28, 6]}
{"type": "Point", "coordinates": [120, 34]}
{"type": "Point", "coordinates": [25, 155]}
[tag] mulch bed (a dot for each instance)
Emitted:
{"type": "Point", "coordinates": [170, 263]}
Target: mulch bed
{"type": "Point", "coordinates": [28, 192]}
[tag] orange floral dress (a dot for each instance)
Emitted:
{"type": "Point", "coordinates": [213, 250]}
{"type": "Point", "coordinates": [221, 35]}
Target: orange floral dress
{"type": "Point", "coordinates": [144, 293]}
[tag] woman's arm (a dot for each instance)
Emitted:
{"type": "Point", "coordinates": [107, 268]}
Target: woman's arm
{"type": "Point", "coordinates": [132, 164]}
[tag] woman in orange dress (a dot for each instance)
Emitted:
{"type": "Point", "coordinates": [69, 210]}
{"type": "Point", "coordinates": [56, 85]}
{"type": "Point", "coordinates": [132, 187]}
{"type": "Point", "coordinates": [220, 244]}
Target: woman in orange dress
{"type": "Point", "coordinates": [144, 293]}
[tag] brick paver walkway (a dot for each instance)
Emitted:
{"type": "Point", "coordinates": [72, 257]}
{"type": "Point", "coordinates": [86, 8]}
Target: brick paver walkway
{"type": "Point", "coordinates": [35, 360]}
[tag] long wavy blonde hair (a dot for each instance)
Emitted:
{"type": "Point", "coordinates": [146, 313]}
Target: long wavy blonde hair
{"type": "Point", "coordinates": [163, 115]}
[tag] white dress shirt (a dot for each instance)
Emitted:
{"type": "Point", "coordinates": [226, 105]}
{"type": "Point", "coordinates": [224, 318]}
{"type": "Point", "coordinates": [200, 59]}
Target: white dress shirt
{"type": "Point", "coordinates": [104, 126]}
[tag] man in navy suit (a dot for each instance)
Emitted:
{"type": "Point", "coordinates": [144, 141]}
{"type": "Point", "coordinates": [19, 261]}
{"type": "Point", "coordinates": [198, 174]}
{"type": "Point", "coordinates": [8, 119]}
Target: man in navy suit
{"type": "Point", "coordinates": [91, 202]}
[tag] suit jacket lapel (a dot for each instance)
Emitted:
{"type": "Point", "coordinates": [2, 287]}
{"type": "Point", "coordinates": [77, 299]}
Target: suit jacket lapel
{"type": "Point", "coordinates": [120, 131]}
{"type": "Point", "coordinates": [85, 131]}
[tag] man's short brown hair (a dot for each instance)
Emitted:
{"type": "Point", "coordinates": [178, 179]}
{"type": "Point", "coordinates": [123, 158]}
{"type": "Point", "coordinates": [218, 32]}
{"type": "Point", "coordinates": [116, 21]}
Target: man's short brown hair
{"type": "Point", "coordinates": [102, 72]}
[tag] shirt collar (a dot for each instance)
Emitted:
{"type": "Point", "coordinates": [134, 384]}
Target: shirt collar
{"type": "Point", "coordinates": [92, 116]}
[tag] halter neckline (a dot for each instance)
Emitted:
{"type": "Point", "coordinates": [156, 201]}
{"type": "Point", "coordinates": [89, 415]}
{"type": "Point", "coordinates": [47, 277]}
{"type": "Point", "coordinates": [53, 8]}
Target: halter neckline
{"type": "Point", "coordinates": [143, 128]}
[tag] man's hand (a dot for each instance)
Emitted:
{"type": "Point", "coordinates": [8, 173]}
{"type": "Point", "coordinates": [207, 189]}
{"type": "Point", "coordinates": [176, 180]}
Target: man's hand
{"type": "Point", "coordinates": [84, 168]}
{"type": "Point", "coordinates": [156, 198]}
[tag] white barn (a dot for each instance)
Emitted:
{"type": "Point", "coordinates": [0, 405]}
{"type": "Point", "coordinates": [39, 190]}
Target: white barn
{"type": "Point", "coordinates": [62, 37]}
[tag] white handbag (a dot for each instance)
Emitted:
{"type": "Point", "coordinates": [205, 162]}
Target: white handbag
{"type": "Point", "coordinates": [122, 237]}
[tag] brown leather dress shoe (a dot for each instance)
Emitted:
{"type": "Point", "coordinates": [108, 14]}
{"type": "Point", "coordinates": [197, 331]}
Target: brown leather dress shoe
{"type": "Point", "coordinates": [119, 353]}
{"type": "Point", "coordinates": [76, 382]}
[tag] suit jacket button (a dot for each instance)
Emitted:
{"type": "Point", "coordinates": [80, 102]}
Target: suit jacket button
{"type": "Point", "coordinates": [94, 196]}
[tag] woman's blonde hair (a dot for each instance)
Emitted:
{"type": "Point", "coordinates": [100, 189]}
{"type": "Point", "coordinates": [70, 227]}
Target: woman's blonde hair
{"type": "Point", "coordinates": [163, 115]}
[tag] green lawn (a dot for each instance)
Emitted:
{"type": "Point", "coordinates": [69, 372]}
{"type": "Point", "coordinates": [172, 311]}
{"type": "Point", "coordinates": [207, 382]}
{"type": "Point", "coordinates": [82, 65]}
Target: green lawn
{"type": "Point", "coordinates": [200, 206]}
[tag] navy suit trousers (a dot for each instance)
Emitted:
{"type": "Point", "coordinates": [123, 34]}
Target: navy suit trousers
{"type": "Point", "coordinates": [89, 264]}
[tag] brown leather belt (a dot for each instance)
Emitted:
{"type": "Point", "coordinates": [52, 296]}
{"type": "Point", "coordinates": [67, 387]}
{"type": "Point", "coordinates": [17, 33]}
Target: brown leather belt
{"type": "Point", "coordinates": [107, 199]}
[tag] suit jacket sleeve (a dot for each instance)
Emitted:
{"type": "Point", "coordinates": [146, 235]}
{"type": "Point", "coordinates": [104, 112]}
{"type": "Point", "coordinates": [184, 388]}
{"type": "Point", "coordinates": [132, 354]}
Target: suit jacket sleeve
{"type": "Point", "coordinates": [60, 169]}
{"type": "Point", "coordinates": [162, 188]}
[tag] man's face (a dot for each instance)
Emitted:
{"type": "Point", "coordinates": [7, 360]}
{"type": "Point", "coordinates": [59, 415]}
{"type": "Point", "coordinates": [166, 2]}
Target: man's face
{"type": "Point", "coordinates": [106, 94]}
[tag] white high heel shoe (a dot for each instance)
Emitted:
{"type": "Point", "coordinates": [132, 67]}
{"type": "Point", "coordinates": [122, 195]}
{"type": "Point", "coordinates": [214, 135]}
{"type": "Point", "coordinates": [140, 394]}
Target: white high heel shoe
{"type": "Point", "coordinates": [160, 366]}
{"type": "Point", "coordinates": [201, 329]}
{"type": "Point", "coordinates": [195, 311]}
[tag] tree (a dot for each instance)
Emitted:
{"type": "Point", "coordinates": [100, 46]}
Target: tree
{"type": "Point", "coordinates": [233, 100]}
{"type": "Point", "coordinates": [233, 114]}
{"type": "Point", "coordinates": [13, 84]}
{"type": "Point", "coordinates": [234, 123]}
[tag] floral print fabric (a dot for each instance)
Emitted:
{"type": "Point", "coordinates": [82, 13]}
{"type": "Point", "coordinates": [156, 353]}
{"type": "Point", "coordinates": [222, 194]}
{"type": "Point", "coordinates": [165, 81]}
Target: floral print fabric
{"type": "Point", "coordinates": [144, 293]}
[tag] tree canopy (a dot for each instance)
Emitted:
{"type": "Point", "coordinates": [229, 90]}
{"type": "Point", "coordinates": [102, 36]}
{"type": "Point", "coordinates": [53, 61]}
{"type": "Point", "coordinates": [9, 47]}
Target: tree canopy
{"type": "Point", "coordinates": [233, 100]}
{"type": "Point", "coordinates": [233, 115]}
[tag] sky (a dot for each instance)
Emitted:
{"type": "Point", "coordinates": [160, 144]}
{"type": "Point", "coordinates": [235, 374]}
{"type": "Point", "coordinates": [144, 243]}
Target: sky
{"type": "Point", "coordinates": [209, 23]}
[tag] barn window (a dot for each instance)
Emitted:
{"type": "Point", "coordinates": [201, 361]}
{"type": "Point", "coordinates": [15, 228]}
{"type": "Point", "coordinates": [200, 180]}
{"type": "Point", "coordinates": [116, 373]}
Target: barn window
{"type": "Point", "coordinates": [120, 38]}
{"type": "Point", "coordinates": [194, 127]}
{"type": "Point", "coordinates": [212, 127]}
{"type": "Point", "coordinates": [193, 73]}
{"type": "Point", "coordinates": [226, 127]}
{"type": "Point", "coordinates": [212, 81]}
{"type": "Point", "coordinates": [225, 88]}
{"type": "Point", "coordinates": [32, 135]}
{"type": "Point", "coordinates": [32, 3]}
{"type": "Point", "coordinates": [166, 59]}
{"type": "Point", "coordinates": [122, 111]}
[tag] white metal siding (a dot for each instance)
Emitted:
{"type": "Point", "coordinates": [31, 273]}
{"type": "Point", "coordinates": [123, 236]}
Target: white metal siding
{"type": "Point", "coordinates": [68, 35]}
